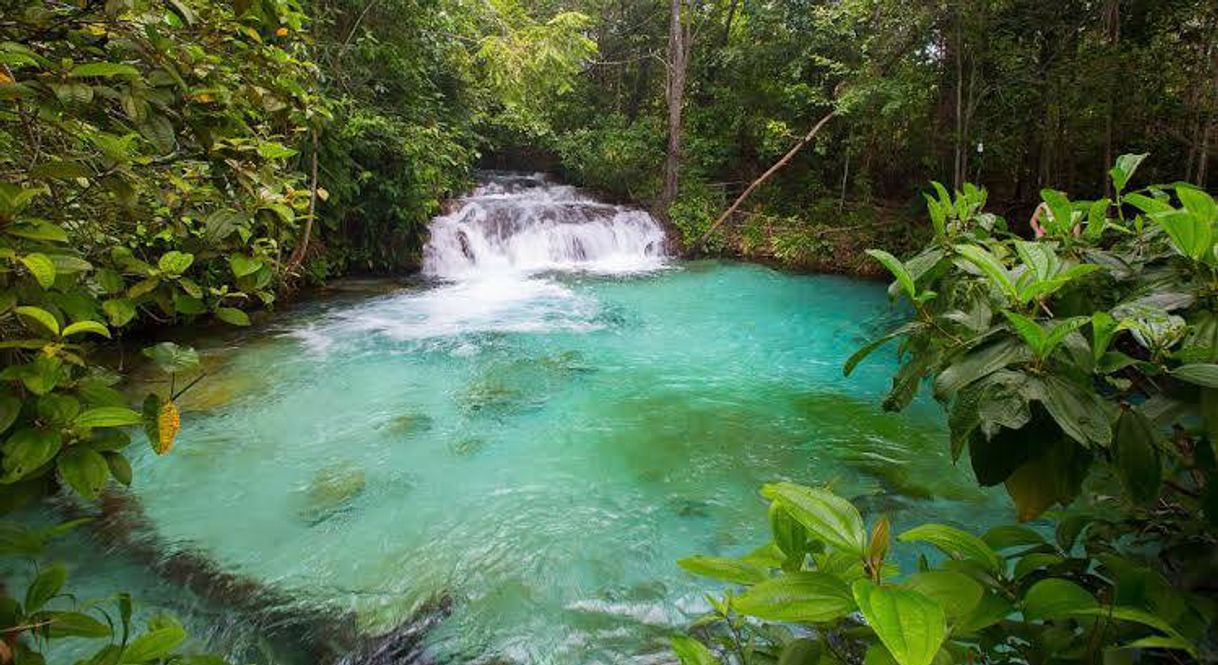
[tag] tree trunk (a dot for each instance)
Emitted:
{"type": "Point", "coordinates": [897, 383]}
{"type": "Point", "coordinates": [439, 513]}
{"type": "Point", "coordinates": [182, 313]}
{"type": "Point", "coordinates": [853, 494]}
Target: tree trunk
{"type": "Point", "coordinates": [675, 97]}
{"type": "Point", "coordinates": [958, 167]}
{"type": "Point", "coordinates": [764, 176]}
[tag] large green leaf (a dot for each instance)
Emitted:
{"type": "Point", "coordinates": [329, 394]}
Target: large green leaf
{"type": "Point", "coordinates": [1201, 374]}
{"type": "Point", "coordinates": [979, 363]}
{"type": "Point", "coordinates": [911, 626]}
{"type": "Point", "coordinates": [898, 270]}
{"type": "Point", "coordinates": [955, 543]}
{"type": "Point", "coordinates": [109, 416]}
{"type": "Point", "coordinates": [85, 470]}
{"type": "Point", "coordinates": [104, 70]}
{"type": "Point", "coordinates": [232, 316]}
{"type": "Point", "coordinates": [724, 569]}
{"type": "Point", "coordinates": [1123, 170]}
{"type": "Point", "coordinates": [803, 597]}
{"type": "Point", "coordinates": [988, 264]}
{"type": "Point", "coordinates": [692, 652]}
{"type": "Point", "coordinates": [27, 450]}
{"type": "Point", "coordinates": [1135, 455]}
{"type": "Point", "coordinates": [44, 319]}
{"type": "Point", "coordinates": [174, 263]}
{"type": "Point", "coordinates": [154, 644]}
{"type": "Point", "coordinates": [1080, 412]}
{"type": "Point", "coordinates": [827, 517]}
{"type": "Point", "coordinates": [957, 593]}
{"type": "Point", "coordinates": [1056, 598]}
{"type": "Point", "coordinates": [86, 327]}
{"type": "Point", "coordinates": [172, 358]}
{"type": "Point", "coordinates": [41, 267]}
{"type": "Point", "coordinates": [45, 587]}
{"type": "Point", "coordinates": [75, 624]}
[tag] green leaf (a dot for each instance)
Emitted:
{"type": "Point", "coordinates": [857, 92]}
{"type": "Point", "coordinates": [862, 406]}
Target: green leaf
{"type": "Point", "coordinates": [104, 70]}
{"type": "Point", "coordinates": [692, 652]}
{"type": "Point", "coordinates": [1201, 205]}
{"type": "Point", "coordinates": [724, 569]}
{"type": "Point", "coordinates": [1031, 332]}
{"type": "Point", "coordinates": [873, 345]}
{"type": "Point", "coordinates": [75, 624]}
{"type": "Point", "coordinates": [1189, 236]}
{"type": "Point", "coordinates": [44, 587]}
{"type": "Point", "coordinates": [273, 150]}
{"type": "Point", "coordinates": [803, 651]}
{"type": "Point", "coordinates": [957, 593]}
{"type": "Point", "coordinates": [86, 327]}
{"type": "Point", "coordinates": [1080, 413]}
{"type": "Point", "coordinates": [956, 544]}
{"type": "Point", "coordinates": [232, 316]}
{"type": "Point", "coordinates": [1201, 374]}
{"type": "Point", "coordinates": [991, 267]}
{"type": "Point", "coordinates": [827, 516]}
{"type": "Point", "coordinates": [37, 230]}
{"type": "Point", "coordinates": [1056, 598]}
{"type": "Point", "coordinates": [802, 597]}
{"type": "Point", "coordinates": [1124, 169]}
{"type": "Point", "coordinates": [41, 267]}
{"type": "Point", "coordinates": [10, 408]}
{"type": "Point", "coordinates": [1008, 536]}
{"type": "Point", "coordinates": [898, 270]}
{"type": "Point", "coordinates": [172, 358]}
{"type": "Point", "coordinates": [154, 644]}
{"type": "Point", "coordinates": [120, 467]}
{"type": "Point", "coordinates": [1136, 444]}
{"type": "Point", "coordinates": [979, 363]}
{"type": "Point", "coordinates": [990, 610]}
{"type": "Point", "coordinates": [120, 311]}
{"type": "Point", "coordinates": [27, 450]}
{"type": "Point", "coordinates": [109, 416]}
{"type": "Point", "coordinates": [243, 265]}
{"type": "Point", "coordinates": [175, 263]}
{"type": "Point", "coordinates": [908, 623]}
{"type": "Point", "coordinates": [1103, 329]}
{"type": "Point", "coordinates": [43, 318]}
{"type": "Point", "coordinates": [85, 470]}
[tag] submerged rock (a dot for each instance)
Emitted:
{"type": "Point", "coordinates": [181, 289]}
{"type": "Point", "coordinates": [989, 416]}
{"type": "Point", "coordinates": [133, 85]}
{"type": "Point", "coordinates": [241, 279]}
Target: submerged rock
{"type": "Point", "coordinates": [332, 491]}
{"type": "Point", "coordinates": [404, 644]}
{"type": "Point", "coordinates": [467, 446]}
{"type": "Point", "coordinates": [410, 423]}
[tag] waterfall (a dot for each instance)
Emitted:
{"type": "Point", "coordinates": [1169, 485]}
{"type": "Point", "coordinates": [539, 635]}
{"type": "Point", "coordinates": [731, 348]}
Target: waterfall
{"type": "Point", "coordinates": [515, 223]}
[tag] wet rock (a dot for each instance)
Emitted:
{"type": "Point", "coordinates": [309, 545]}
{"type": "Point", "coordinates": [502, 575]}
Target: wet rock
{"type": "Point", "coordinates": [410, 423]}
{"type": "Point", "coordinates": [332, 491]}
{"type": "Point", "coordinates": [403, 645]}
{"type": "Point", "coordinates": [690, 508]}
{"type": "Point", "coordinates": [467, 446]}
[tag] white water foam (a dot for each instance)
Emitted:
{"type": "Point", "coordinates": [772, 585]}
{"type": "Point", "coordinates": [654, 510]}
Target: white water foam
{"type": "Point", "coordinates": [523, 224]}
{"type": "Point", "coordinates": [495, 255]}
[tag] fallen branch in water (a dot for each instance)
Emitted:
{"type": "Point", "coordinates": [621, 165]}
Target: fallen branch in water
{"type": "Point", "coordinates": [765, 176]}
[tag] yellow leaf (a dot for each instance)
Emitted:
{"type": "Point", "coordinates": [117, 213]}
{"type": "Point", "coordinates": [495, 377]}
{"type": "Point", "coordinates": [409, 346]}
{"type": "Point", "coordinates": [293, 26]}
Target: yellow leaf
{"type": "Point", "coordinates": [168, 421]}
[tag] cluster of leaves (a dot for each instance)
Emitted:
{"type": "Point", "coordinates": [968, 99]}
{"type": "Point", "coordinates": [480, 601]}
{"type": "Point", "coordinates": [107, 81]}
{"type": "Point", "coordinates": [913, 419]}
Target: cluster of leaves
{"type": "Point", "coordinates": [46, 612]}
{"type": "Point", "coordinates": [146, 177]}
{"type": "Point", "coordinates": [826, 590]}
{"type": "Point", "coordinates": [1094, 346]}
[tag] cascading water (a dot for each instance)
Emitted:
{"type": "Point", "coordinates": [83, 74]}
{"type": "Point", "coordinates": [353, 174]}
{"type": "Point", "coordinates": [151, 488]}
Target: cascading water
{"type": "Point", "coordinates": [522, 224]}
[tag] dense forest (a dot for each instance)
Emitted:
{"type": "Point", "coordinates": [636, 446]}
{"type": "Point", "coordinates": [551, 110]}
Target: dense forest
{"type": "Point", "coordinates": [168, 165]}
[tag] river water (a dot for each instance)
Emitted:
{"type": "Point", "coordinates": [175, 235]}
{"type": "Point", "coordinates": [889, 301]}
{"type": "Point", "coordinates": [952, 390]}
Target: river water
{"type": "Point", "coordinates": [531, 439]}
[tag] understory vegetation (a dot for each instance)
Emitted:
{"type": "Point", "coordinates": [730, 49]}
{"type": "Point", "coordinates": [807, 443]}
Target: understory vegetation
{"type": "Point", "coordinates": [1078, 370]}
{"type": "Point", "coordinates": [192, 162]}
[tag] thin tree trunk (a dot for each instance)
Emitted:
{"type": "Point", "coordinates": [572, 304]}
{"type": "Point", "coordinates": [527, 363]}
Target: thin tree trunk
{"type": "Point", "coordinates": [764, 176]}
{"type": "Point", "coordinates": [727, 26]}
{"type": "Point", "coordinates": [675, 97]}
{"type": "Point", "coordinates": [1113, 19]}
{"type": "Point", "coordinates": [298, 255]}
{"type": "Point", "coordinates": [958, 168]}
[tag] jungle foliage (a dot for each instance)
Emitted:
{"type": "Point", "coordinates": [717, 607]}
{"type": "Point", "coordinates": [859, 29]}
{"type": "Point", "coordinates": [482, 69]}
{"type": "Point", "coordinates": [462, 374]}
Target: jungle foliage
{"type": "Point", "coordinates": [1019, 95]}
{"type": "Point", "coordinates": [1080, 365]}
